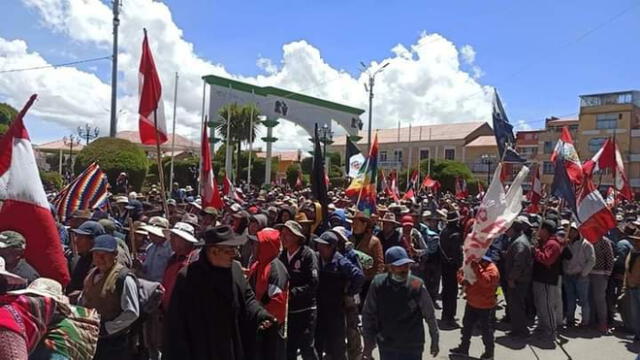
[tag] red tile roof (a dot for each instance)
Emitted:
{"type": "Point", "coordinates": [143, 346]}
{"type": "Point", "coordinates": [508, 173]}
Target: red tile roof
{"type": "Point", "coordinates": [486, 140]}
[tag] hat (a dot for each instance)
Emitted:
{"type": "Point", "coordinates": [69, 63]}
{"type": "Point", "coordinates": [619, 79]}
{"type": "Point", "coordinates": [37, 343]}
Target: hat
{"type": "Point", "coordinates": [407, 220]}
{"type": "Point", "coordinates": [82, 214]}
{"type": "Point", "coordinates": [209, 210]}
{"type": "Point", "coordinates": [294, 227]}
{"type": "Point", "coordinates": [141, 229]}
{"type": "Point", "coordinates": [342, 232]}
{"type": "Point", "coordinates": [327, 238]}
{"type": "Point", "coordinates": [106, 243]}
{"type": "Point", "coordinates": [190, 218]}
{"type": "Point", "coordinates": [235, 208]}
{"type": "Point", "coordinates": [89, 228]}
{"type": "Point", "coordinates": [12, 239]}
{"type": "Point", "coordinates": [12, 278]}
{"type": "Point", "coordinates": [172, 202]}
{"type": "Point", "coordinates": [550, 226]}
{"type": "Point", "coordinates": [122, 200]}
{"type": "Point", "coordinates": [185, 231]}
{"type": "Point", "coordinates": [574, 225]}
{"type": "Point", "coordinates": [44, 287]}
{"type": "Point", "coordinates": [188, 188]}
{"type": "Point", "coordinates": [157, 226]}
{"type": "Point", "coordinates": [523, 220]}
{"type": "Point", "coordinates": [397, 256]}
{"type": "Point", "coordinates": [301, 218]}
{"type": "Point", "coordinates": [222, 236]}
{"type": "Point", "coordinates": [390, 217]}
{"type": "Point", "coordinates": [453, 216]}
{"type": "Point", "coordinates": [134, 205]}
{"type": "Point", "coordinates": [360, 215]}
{"type": "Point", "coordinates": [133, 195]}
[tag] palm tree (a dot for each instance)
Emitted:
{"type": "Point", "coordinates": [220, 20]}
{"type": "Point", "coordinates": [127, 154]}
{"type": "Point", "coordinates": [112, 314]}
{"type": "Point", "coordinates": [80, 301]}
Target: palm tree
{"type": "Point", "coordinates": [239, 132]}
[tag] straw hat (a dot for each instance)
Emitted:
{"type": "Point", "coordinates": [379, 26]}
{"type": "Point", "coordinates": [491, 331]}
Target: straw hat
{"type": "Point", "coordinates": [44, 287]}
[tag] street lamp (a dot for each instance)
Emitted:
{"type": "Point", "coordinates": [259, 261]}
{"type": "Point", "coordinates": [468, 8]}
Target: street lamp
{"type": "Point", "coordinates": [87, 133]}
{"type": "Point", "coordinates": [369, 89]}
{"type": "Point", "coordinates": [326, 137]}
{"type": "Point", "coordinates": [70, 141]}
{"type": "Point", "coordinates": [488, 159]}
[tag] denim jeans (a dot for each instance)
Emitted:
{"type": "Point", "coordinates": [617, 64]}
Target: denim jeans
{"type": "Point", "coordinates": [386, 354]}
{"type": "Point", "coordinates": [635, 309]}
{"type": "Point", "coordinates": [576, 289]}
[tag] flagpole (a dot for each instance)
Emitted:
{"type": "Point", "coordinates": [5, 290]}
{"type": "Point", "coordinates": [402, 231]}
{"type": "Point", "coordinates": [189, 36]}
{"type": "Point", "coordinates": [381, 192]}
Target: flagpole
{"type": "Point", "coordinates": [203, 123]}
{"type": "Point", "coordinates": [227, 154]}
{"type": "Point", "coordinates": [409, 157]}
{"type": "Point", "coordinates": [160, 170]}
{"type": "Point", "coordinates": [173, 138]}
{"type": "Point", "coordinates": [250, 141]}
{"type": "Point", "coordinates": [429, 163]}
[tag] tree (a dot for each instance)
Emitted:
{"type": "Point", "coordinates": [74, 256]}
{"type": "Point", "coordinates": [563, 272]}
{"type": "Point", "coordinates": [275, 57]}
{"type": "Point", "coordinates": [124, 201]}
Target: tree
{"type": "Point", "coordinates": [51, 180]}
{"type": "Point", "coordinates": [293, 171]}
{"type": "Point", "coordinates": [446, 172]}
{"type": "Point", "coordinates": [7, 114]}
{"type": "Point", "coordinates": [240, 130]}
{"type": "Point", "coordinates": [115, 156]}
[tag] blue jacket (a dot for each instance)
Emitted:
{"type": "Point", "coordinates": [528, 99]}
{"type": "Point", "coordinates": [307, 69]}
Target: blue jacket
{"type": "Point", "coordinates": [340, 266]}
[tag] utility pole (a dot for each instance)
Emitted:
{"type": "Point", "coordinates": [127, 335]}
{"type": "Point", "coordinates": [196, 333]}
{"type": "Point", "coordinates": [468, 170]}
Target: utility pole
{"type": "Point", "coordinates": [114, 68]}
{"type": "Point", "coordinates": [369, 89]}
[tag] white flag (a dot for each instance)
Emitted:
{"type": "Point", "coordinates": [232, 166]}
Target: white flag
{"type": "Point", "coordinates": [495, 215]}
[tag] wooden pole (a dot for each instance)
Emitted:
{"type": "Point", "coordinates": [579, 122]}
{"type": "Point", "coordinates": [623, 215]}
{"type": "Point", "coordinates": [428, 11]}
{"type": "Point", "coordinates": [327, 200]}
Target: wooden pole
{"type": "Point", "coordinates": [160, 170]}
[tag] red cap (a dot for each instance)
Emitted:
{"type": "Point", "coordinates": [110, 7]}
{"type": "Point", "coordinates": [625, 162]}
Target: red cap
{"type": "Point", "coordinates": [407, 220]}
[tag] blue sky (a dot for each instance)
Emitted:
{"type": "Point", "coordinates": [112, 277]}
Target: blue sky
{"type": "Point", "coordinates": [539, 54]}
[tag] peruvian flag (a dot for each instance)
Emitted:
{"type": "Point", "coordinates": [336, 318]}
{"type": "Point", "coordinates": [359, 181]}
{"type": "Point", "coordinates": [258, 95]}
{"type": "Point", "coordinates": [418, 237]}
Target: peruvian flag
{"type": "Point", "coordinates": [230, 191]}
{"type": "Point", "coordinates": [594, 217]}
{"type": "Point", "coordinates": [429, 183]}
{"type": "Point", "coordinates": [409, 195]}
{"type": "Point", "coordinates": [208, 188]}
{"type": "Point", "coordinates": [566, 151]}
{"type": "Point", "coordinates": [536, 192]}
{"type": "Point", "coordinates": [461, 188]}
{"type": "Point", "coordinates": [393, 184]}
{"type": "Point", "coordinates": [609, 157]}
{"type": "Point", "coordinates": [153, 128]}
{"type": "Point", "coordinates": [24, 207]}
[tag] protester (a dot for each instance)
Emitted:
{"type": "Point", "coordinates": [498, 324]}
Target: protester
{"type": "Point", "coordinates": [390, 234]}
{"type": "Point", "coordinates": [213, 311]}
{"type": "Point", "coordinates": [599, 279]}
{"type": "Point", "coordinates": [396, 304]}
{"type": "Point", "coordinates": [518, 268]}
{"type": "Point", "coordinates": [575, 278]}
{"type": "Point", "coordinates": [185, 251]}
{"type": "Point", "coordinates": [632, 283]}
{"type": "Point", "coordinates": [338, 278]}
{"type": "Point", "coordinates": [82, 240]}
{"type": "Point", "coordinates": [12, 246]}
{"type": "Point", "coordinates": [451, 250]}
{"type": "Point", "coordinates": [111, 289]}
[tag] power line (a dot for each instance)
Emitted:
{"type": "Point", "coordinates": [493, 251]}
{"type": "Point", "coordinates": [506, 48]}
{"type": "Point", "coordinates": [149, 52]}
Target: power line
{"type": "Point", "coordinates": [55, 65]}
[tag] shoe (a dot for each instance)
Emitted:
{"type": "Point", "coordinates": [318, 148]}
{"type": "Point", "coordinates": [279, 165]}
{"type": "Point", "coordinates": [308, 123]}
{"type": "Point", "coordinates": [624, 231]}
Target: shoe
{"type": "Point", "coordinates": [436, 306]}
{"type": "Point", "coordinates": [603, 329]}
{"type": "Point", "coordinates": [459, 350]}
{"type": "Point", "coordinates": [487, 355]}
{"type": "Point", "coordinates": [519, 334]}
{"type": "Point", "coordinates": [450, 323]}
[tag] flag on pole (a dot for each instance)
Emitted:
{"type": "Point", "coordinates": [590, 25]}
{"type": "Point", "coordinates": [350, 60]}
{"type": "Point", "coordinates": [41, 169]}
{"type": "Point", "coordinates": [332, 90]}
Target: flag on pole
{"type": "Point", "coordinates": [384, 184]}
{"type": "Point", "coordinates": [152, 124]}
{"type": "Point", "coordinates": [562, 187]}
{"type": "Point", "coordinates": [364, 185]}
{"type": "Point", "coordinates": [393, 184]}
{"type": "Point", "coordinates": [461, 188]}
{"type": "Point", "coordinates": [535, 194]}
{"type": "Point", "coordinates": [299, 183]}
{"type": "Point", "coordinates": [25, 208]}
{"type": "Point", "coordinates": [495, 215]}
{"type": "Point", "coordinates": [413, 180]}
{"type": "Point", "coordinates": [567, 152]}
{"type": "Point", "coordinates": [429, 183]}
{"type": "Point", "coordinates": [318, 174]}
{"type": "Point", "coordinates": [87, 191]}
{"type": "Point", "coordinates": [480, 191]}
{"type": "Point", "coordinates": [209, 192]}
{"type": "Point", "coordinates": [609, 157]}
{"type": "Point", "coordinates": [354, 159]}
{"type": "Point", "coordinates": [594, 217]}
{"type": "Point", "coordinates": [503, 131]}
{"type": "Point", "coordinates": [611, 197]}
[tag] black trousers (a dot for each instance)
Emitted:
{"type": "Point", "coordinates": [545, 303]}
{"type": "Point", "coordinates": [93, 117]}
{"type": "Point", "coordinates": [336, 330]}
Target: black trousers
{"type": "Point", "coordinates": [113, 347]}
{"type": "Point", "coordinates": [449, 290]}
{"type": "Point", "coordinates": [517, 306]}
{"type": "Point", "coordinates": [270, 344]}
{"type": "Point", "coordinates": [300, 335]}
{"type": "Point", "coordinates": [433, 273]}
{"type": "Point", "coordinates": [482, 318]}
{"type": "Point", "coordinates": [331, 335]}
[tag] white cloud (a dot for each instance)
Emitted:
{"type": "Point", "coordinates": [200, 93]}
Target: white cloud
{"type": "Point", "coordinates": [522, 125]}
{"type": "Point", "coordinates": [423, 84]}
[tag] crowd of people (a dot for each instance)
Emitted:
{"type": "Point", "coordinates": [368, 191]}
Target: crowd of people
{"type": "Point", "coordinates": [269, 277]}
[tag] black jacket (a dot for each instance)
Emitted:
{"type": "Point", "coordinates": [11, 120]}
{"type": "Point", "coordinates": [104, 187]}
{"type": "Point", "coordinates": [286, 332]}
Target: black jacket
{"type": "Point", "coordinates": [451, 245]}
{"type": "Point", "coordinates": [303, 278]}
{"type": "Point", "coordinates": [213, 314]}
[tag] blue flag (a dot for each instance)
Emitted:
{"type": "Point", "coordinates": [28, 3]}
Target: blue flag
{"type": "Point", "coordinates": [503, 131]}
{"type": "Point", "coordinates": [562, 187]}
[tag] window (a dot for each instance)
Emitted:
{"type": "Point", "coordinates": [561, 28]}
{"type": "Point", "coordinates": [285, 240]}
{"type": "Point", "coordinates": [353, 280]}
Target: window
{"type": "Point", "coordinates": [527, 151]}
{"type": "Point", "coordinates": [607, 121]}
{"type": "Point", "coordinates": [548, 147]}
{"type": "Point", "coordinates": [596, 143]}
{"type": "Point", "coordinates": [547, 168]}
{"type": "Point", "coordinates": [424, 154]}
{"type": "Point", "coordinates": [382, 156]}
{"type": "Point", "coordinates": [573, 127]}
{"type": "Point", "coordinates": [449, 154]}
{"type": "Point", "coordinates": [397, 155]}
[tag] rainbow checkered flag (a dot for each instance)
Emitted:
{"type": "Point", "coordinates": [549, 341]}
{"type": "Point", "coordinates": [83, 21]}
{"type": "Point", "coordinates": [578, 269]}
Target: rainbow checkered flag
{"type": "Point", "coordinates": [88, 191]}
{"type": "Point", "coordinates": [363, 186]}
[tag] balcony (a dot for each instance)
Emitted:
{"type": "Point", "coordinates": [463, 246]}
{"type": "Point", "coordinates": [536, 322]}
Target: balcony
{"type": "Point", "coordinates": [389, 164]}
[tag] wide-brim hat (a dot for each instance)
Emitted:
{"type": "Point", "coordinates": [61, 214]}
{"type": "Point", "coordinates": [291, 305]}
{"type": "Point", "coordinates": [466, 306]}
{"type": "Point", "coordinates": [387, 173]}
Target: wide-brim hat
{"type": "Point", "coordinates": [12, 279]}
{"type": "Point", "coordinates": [453, 216]}
{"type": "Point", "coordinates": [390, 217]}
{"type": "Point", "coordinates": [44, 287]}
{"type": "Point", "coordinates": [184, 231]}
{"type": "Point", "coordinates": [294, 227]}
{"type": "Point", "coordinates": [223, 235]}
{"type": "Point", "coordinates": [155, 230]}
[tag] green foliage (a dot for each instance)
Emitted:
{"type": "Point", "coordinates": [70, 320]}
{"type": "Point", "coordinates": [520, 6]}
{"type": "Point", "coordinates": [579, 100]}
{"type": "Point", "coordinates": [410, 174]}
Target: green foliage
{"type": "Point", "coordinates": [185, 171]}
{"type": "Point", "coordinates": [292, 174]}
{"type": "Point", "coordinates": [334, 159]}
{"type": "Point", "coordinates": [3, 129]}
{"type": "Point", "coordinates": [7, 113]}
{"type": "Point", "coordinates": [306, 164]}
{"type": "Point", "coordinates": [446, 172]}
{"type": "Point", "coordinates": [244, 124]}
{"type": "Point", "coordinates": [472, 186]}
{"type": "Point", "coordinates": [115, 156]}
{"type": "Point", "coordinates": [51, 180]}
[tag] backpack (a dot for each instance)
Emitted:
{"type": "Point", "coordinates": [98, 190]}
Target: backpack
{"type": "Point", "coordinates": [150, 293]}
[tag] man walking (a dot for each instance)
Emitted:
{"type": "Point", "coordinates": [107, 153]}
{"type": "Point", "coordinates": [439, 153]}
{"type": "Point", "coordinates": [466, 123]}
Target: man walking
{"type": "Point", "coordinates": [451, 251]}
{"type": "Point", "coordinates": [575, 280]}
{"type": "Point", "coordinates": [393, 312]}
{"type": "Point", "coordinates": [518, 267]}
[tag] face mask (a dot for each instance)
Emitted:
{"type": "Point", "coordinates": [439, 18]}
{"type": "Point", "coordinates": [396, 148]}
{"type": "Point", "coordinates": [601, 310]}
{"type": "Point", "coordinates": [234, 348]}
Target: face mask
{"type": "Point", "coordinates": [400, 278]}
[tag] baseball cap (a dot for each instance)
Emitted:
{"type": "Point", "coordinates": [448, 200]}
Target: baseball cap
{"type": "Point", "coordinates": [185, 231]}
{"type": "Point", "coordinates": [89, 228]}
{"type": "Point", "coordinates": [407, 220]}
{"type": "Point", "coordinates": [342, 232]}
{"type": "Point", "coordinates": [12, 239]}
{"type": "Point", "coordinates": [222, 236]}
{"type": "Point", "coordinates": [106, 243]}
{"type": "Point", "coordinates": [327, 238]}
{"type": "Point", "coordinates": [397, 256]}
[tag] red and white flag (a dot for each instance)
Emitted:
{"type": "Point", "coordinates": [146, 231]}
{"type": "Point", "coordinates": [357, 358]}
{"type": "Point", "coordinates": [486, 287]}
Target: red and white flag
{"type": "Point", "coordinates": [409, 195]}
{"type": "Point", "coordinates": [208, 188]}
{"type": "Point", "coordinates": [461, 188]}
{"type": "Point", "coordinates": [230, 191]}
{"type": "Point", "coordinates": [495, 215]}
{"type": "Point", "coordinates": [535, 194]}
{"type": "Point", "coordinates": [413, 180]}
{"type": "Point", "coordinates": [393, 185]}
{"type": "Point", "coordinates": [611, 197]}
{"type": "Point", "coordinates": [609, 157]}
{"type": "Point", "coordinates": [152, 125]}
{"type": "Point", "coordinates": [25, 208]}
{"type": "Point", "coordinates": [594, 217]}
{"type": "Point", "coordinates": [480, 191]}
{"type": "Point", "coordinates": [299, 183]}
{"type": "Point", "coordinates": [565, 150]}
{"type": "Point", "coordinates": [429, 183]}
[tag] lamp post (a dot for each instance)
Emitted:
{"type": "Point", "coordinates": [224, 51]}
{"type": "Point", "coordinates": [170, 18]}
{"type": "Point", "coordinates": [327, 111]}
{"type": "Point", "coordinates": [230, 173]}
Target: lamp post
{"type": "Point", "coordinates": [488, 159]}
{"type": "Point", "coordinates": [326, 137]}
{"type": "Point", "coordinates": [87, 133]}
{"type": "Point", "coordinates": [70, 141]}
{"type": "Point", "coordinates": [369, 89]}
